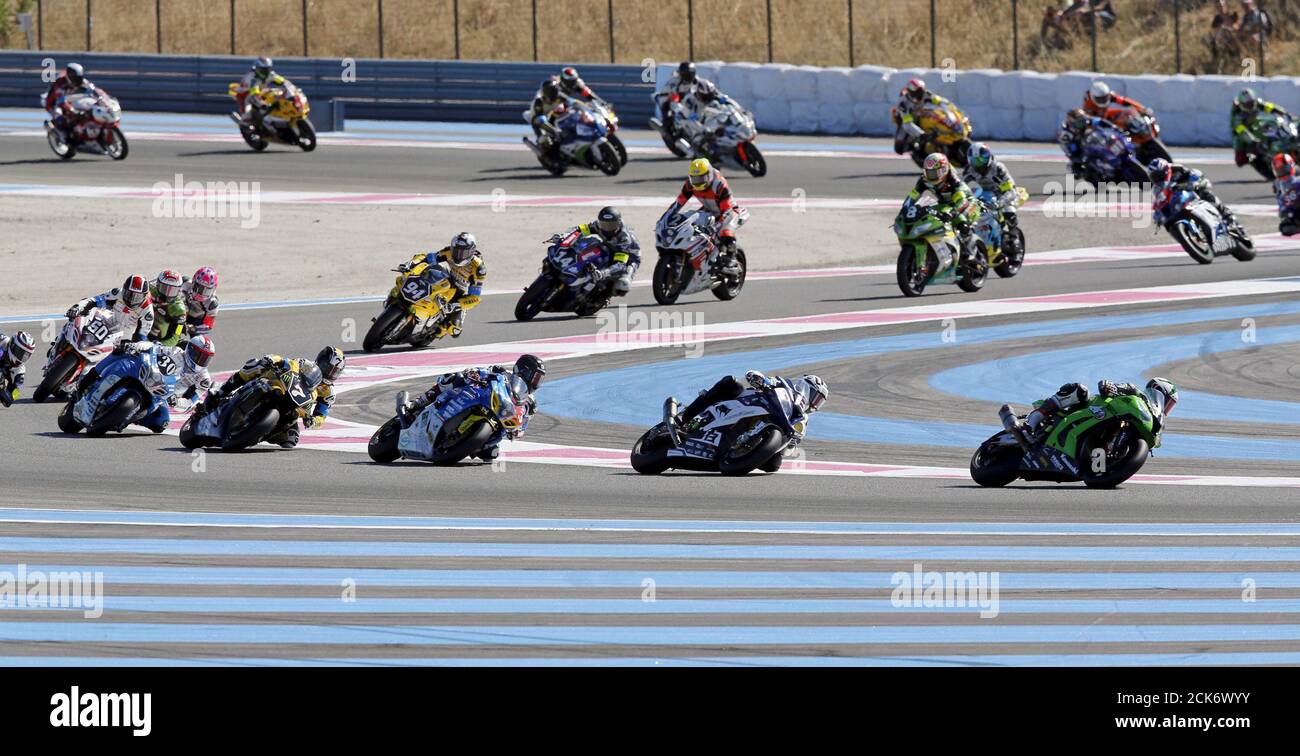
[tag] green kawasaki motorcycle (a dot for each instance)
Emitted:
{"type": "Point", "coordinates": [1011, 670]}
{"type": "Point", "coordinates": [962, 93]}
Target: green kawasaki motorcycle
{"type": "Point", "coordinates": [1102, 443]}
{"type": "Point", "coordinates": [919, 226]}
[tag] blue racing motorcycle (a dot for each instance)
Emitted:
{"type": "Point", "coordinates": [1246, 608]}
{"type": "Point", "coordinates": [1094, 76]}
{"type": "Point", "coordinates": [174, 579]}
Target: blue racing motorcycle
{"type": "Point", "coordinates": [460, 423]}
{"type": "Point", "coordinates": [1199, 228]}
{"type": "Point", "coordinates": [571, 263]}
{"type": "Point", "coordinates": [581, 137]}
{"type": "Point", "coordinates": [126, 388]}
{"type": "Point", "coordinates": [1109, 156]}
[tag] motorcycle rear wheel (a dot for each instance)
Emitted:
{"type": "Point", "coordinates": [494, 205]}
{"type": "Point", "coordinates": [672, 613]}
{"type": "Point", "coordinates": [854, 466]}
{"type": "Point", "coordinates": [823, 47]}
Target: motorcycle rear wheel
{"type": "Point", "coordinates": [253, 139]}
{"type": "Point", "coordinates": [65, 150]}
{"type": "Point", "coordinates": [729, 289]}
{"type": "Point", "coordinates": [383, 445]}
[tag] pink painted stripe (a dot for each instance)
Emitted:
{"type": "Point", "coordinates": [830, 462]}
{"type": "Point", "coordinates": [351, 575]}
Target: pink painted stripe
{"type": "Point", "coordinates": [873, 317]}
{"type": "Point", "coordinates": [566, 452]}
{"type": "Point", "coordinates": [436, 358]}
{"type": "Point", "coordinates": [1117, 297]}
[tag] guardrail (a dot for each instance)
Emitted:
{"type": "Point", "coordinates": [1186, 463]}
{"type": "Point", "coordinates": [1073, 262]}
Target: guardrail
{"type": "Point", "coordinates": [371, 88]}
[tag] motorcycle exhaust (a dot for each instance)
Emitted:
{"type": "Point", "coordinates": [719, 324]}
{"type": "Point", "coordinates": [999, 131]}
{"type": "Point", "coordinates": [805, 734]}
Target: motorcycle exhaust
{"type": "Point", "coordinates": [533, 146]}
{"type": "Point", "coordinates": [670, 415]}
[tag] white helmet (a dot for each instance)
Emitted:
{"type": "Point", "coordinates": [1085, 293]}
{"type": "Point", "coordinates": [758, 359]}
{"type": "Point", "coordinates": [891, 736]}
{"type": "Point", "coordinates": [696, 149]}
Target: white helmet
{"type": "Point", "coordinates": [813, 391]}
{"type": "Point", "coordinates": [1099, 92]}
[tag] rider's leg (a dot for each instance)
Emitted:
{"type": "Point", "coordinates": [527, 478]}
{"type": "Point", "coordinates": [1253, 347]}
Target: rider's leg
{"type": "Point", "coordinates": [724, 390]}
{"type": "Point", "coordinates": [1065, 399]}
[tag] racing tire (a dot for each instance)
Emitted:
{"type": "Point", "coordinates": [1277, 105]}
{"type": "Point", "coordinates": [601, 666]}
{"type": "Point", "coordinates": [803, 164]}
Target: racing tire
{"type": "Point", "coordinates": [1012, 261]}
{"type": "Point", "coordinates": [306, 136]}
{"type": "Point", "coordinates": [650, 455]}
{"type": "Point", "coordinates": [773, 464]}
{"type": "Point", "coordinates": [619, 148]}
{"type": "Point", "coordinates": [189, 439]}
{"type": "Point", "coordinates": [666, 291]}
{"type": "Point", "coordinates": [1152, 150]}
{"type": "Point", "coordinates": [607, 160]}
{"type": "Point", "coordinates": [383, 444]}
{"type": "Point", "coordinates": [55, 377]}
{"type": "Point", "coordinates": [972, 283]}
{"type": "Point", "coordinates": [253, 139]}
{"type": "Point", "coordinates": [468, 444]}
{"type": "Point", "coordinates": [906, 273]}
{"type": "Point", "coordinates": [116, 416]}
{"type": "Point", "coordinates": [671, 142]}
{"type": "Point", "coordinates": [1245, 249]}
{"type": "Point", "coordinates": [769, 443]}
{"type": "Point", "coordinates": [378, 335]}
{"type": "Point", "coordinates": [534, 298]}
{"type": "Point", "coordinates": [69, 149]}
{"type": "Point", "coordinates": [253, 432]}
{"type": "Point", "coordinates": [1194, 249]}
{"type": "Point", "coordinates": [1117, 473]}
{"type": "Point", "coordinates": [119, 148]}
{"type": "Point", "coordinates": [728, 289]}
{"type": "Point", "coordinates": [68, 423]}
{"type": "Point", "coordinates": [1261, 165]}
{"type": "Point", "coordinates": [995, 465]}
{"type": "Point", "coordinates": [749, 156]}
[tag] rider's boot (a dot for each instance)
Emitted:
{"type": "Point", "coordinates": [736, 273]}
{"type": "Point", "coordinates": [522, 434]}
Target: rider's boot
{"type": "Point", "coordinates": [488, 454]}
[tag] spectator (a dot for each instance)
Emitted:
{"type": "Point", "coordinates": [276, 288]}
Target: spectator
{"type": "Point", "coordinates": [1222, 39]}
{"type": "Point", "coordinates": [1253, 29]}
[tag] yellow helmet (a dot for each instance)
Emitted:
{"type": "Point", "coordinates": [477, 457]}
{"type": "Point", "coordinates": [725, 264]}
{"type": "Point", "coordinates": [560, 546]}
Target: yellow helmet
{"type": "Point", "coordinates": [700, 173]}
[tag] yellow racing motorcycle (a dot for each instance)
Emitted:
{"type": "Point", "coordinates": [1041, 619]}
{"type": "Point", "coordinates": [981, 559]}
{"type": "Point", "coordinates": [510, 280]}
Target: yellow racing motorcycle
{"type": "Point", "coordinates": [418, 309]}
{"type": "Point", "coordinates": [945, 129]}
{"type": "Point", "coordinates": [285, 120]}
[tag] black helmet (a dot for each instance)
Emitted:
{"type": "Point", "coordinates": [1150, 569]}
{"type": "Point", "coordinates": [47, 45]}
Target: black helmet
{"type": "Point", "coordinates": [530, 369]}
{"type": "Point", "coordinates": [609, 222]}
{"type": "Point", "coordinates": [331, 362]}
{"type": "Point", "coordinates": [550, 90]}
{"type": "Point", "coordinates": [310, 373]}
{"type": "Point", "coordinates": [75, 73]}
{"type": "Point", "coordinates": [686, 71]}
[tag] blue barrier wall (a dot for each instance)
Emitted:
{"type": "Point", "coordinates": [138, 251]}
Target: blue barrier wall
{"type": "Point", "coordinates": [384, 89]}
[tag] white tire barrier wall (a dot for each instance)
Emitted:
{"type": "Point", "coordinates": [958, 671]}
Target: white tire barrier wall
{"type": "Point", "coordinates": [1192, 110]}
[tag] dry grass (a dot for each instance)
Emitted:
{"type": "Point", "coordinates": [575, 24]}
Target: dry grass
{"type": "Point", "coordinates": [973, 33]}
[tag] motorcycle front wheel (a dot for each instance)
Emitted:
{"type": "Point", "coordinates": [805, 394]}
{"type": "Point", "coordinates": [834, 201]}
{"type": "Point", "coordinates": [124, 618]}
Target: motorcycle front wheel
{"type": "Point", "coordinates": [306, 136]}
{"type": "Point", "coordinates": [534, 299]}
{"type": "Point", "coordinates": [758, 451]}
{"type": "Point", "coordinates": [749, 156]}
{"type": "Point", "coordinates": [910, 280]}
{"type": "Point", "coordinates": [116, 416]}
{"type": "Point", "coordinates": [381, 330]}
{"type": "Point", "coordinates": [262, 423]}
{"type": "Point", "coordinates": [116, 147]}
{"type": "Point", "coordinates": [466, 445]}
{"type": "Point", "coordinates": [667, 284]}
{"type": "Point", "coordinates": [1192, 236]}
{"type": "Point", "coordinates": [1120, 464]}
{"type": "Point", "coordinates": [383, 445]}
{"type": "Point", "coordinates": [620, 148]}
{"type": "Point", "coordinates": [60, 370]}
{"type": "Point", "coordinates": [1013, 253]}
{"type": "Point", "coordinates": [607, 160]}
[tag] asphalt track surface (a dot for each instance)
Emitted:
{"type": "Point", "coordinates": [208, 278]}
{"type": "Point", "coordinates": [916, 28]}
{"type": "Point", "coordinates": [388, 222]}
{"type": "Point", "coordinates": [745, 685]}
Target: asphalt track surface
{"type": "Point", "coordinates": [559, 563]}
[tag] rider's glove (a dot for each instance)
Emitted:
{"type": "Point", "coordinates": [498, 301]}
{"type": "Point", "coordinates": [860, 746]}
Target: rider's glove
{"type": "Point", "coordinates": [73, 311]}
{"type": "Point", "coordinates": [404, 267]}
{"type": "Point", "coordinates": [314, 422]}
{"type": "Point", "coordinates": [756, 379]}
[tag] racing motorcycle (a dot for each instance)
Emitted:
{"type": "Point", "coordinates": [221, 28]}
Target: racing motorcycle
{"type": "Point", "coordinates": [1273, 134]}
{"type": "Point", "coordinates": [256, 411]}
{"type": "Point", "coordinates": [581, 138]}
{"type": "Point", "coordinates": [86, 340]}
{"type": "Point", "coordinates": [126, 389]}
{"type": "Point", "coordinates": [722, 131]}
{"type": "Point", "coordinates": [1142, 129]}
{"type": "Point", "coordinates": [285, 121]}
{"type": "Point", "coordinates": [733, 437]}
{"type": "Point", "coordinates": [1198, 227]}
{"type": "Point", "coordinates": [944, 129]}
{"type": "Point", "coordinates": [459, 423]}
{"type": "Point", "coordinates": [999, 229]}
{"type": "Point", "coordinates": [1102, 444]}
{"type": "Point", "coordinates": [606, 110]}
{"type": "Point", "coordinates": [94, 125]}
{"type": "Point", "coordinates": [689, 258]}
{"type": "Point", "coordinates": [417, 308]}
{"type": "Point", "coordinates": [569, 265]}
{"type": "Point", "coordinates": [920, 226]}
{"type": "Point", "coordinates": [1109, 156]}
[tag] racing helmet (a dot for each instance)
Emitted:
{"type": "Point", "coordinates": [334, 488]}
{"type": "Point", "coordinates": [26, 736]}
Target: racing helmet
{"type": "Point", "coordinates": [1099, 93]}
{"type": "Point", "coordinates": [20, 348]}
{"type": "Point", "coordinates": [168, 284]}
{"type": "Point", "coordinates": [609, 222]}
{"type": "Point", "coordinates": [1159, 170]}
{"type": "Point", "coordinates": [686, 71]}
{"type": "Point", "coordinates": [310, 373]}
{"type": "Point", "coordinates": [531, 370]}
{"type": "Point", "coordinates": [1283, 165]}
{"type": "Point", "coordinates": [935, 169]}
{"type": "Point", "coordinates": [134, 292]}
{"type": "Point", "coordinates": [1162, 394]}
{"type": "Point", "coordinates": [204, 284]}
{"type": "Point", "coordinates": [1076, 120]}
{"type": "Point", "coordinates": [1247, 100]}
{"type": "Point", "coordinates": [550, 90]}
{"type": "Point", "coordinates": [700, 174]}
{"type": "Point", "coordinates": [331, 362]}
{"type": "Point", "coordinates": [979, 156]}
{"type": "Point", "coordinates": [199, 352]}
{"type": "Point", "coordinates": [463, 247]}
{"type": "Point", "coordinates": [262, 67]}
{"type": "Point", "coordinates": [813, 390]}
{"type": "Point", "coordinates": [570, 79]}
{"type": "Point", "coordinates": [914, 90]}
{"type": "Point", "coordinates": [75, 73]}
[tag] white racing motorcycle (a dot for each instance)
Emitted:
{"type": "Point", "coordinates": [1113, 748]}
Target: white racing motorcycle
{"type": "Point", "coordinates": [85, 341]}
{"type": "Point", "coordinates": [688, 258]}
{"type": "Point", "coordinates": [722, 131]}
{"type": "Point", "coordinates": [96, 127]}
{"type": "Point", "coordinates": [752, 432]}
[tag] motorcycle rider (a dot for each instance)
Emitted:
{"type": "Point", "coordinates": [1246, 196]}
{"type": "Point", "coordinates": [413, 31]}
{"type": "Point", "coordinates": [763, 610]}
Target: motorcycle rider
{"type": "Point", "coordinates": [911, 99]}
{"type": "Point", "coordinates": [529, 368]}
{"type": "Point", "coordinates": [1165, 174]}
{"type": "Point", "coordinates": [313, 375]}
{"type": "Point", "coordinates": [72, 81]}
{"type": "Point", "coordinates": [623, 247]}
{"type": "Point", "coordinates": [193, 380]}
{"type": "Point", "coordinates": [1074, 132]}
{"type": "Point", "coordinates": [468, 272]}
{"type": "Point", "coordinates": [809, 391]}
{"type": "Point", "coordinates": [954, 199]}
{"type": "Point", "coordinates": [260, 77]}
{"type": "Point", "coordinates": [131, 305]}
{"type": "Point", "coordinates": [1245, 107]}
{"type": "Point", "coordinates": [14, 352]}
{"type": "Point", "coordinates": [572, 85]}
{"type": "Point", "coordinates": [169, 308]}
{"type": "Point", "coordinates": [1160, 393]}
{"type": "Point", "coordinates": [706, 184]}
{"type": "Point", "coordinates": [201, 301]}
{"type": "Point", "coordinates": [1286, 185]}
{"type": "Point", "coordinates": [549, 104]}
{"type": "Point", "coordinates": [688, 88]}
{"type": "Point", "coordinates": [1098, 100]}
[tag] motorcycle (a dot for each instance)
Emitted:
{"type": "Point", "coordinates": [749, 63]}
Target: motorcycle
{"type": "Point", "coordinates": [920, 226]}
{"type": "Point", "coordinates": [1142, 129]}
{"type": "Point", "coordinates": [734, 437]}
{"type": "Point", "coordinates": [722, 131]}
{"type": "Point", "coordinates": [999, 229]}
{"type": "Point", "coordinates": [417, 309]}
{"type": "Point", "coordinates": [569, 265]}
{"type": "Point", "coordinates": [1109, 156]}
{"type": "Point", "coordinates": [285, 121]}
{"type": "Point", "coordinates": [606, 110]}
{"type": "Point", "coordinates": [6, 389]}
{"type": "Point", "coordinates": [689, 258]}
{"type": "Point", "coordinates": [126, 389]}
{"type": "Point", "coordinates": [86, 340]}
{"type": "Point", "coordinates": [253, 413]}
{"type": "Point", "coordinates": [1102, 444]}
{"type": "Point", "coordinates": [945, 129]}
{"type": "Point", "coordinates": [94, 125]}
{"type": "Point", "coordinates": [459, 423]}
{"type": "Point", "coordinates": [1198, 227]}
{"type": "Point", "coordinates": [1273, 134]}
{"type": "Point", "coordinates": [581, 138]}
